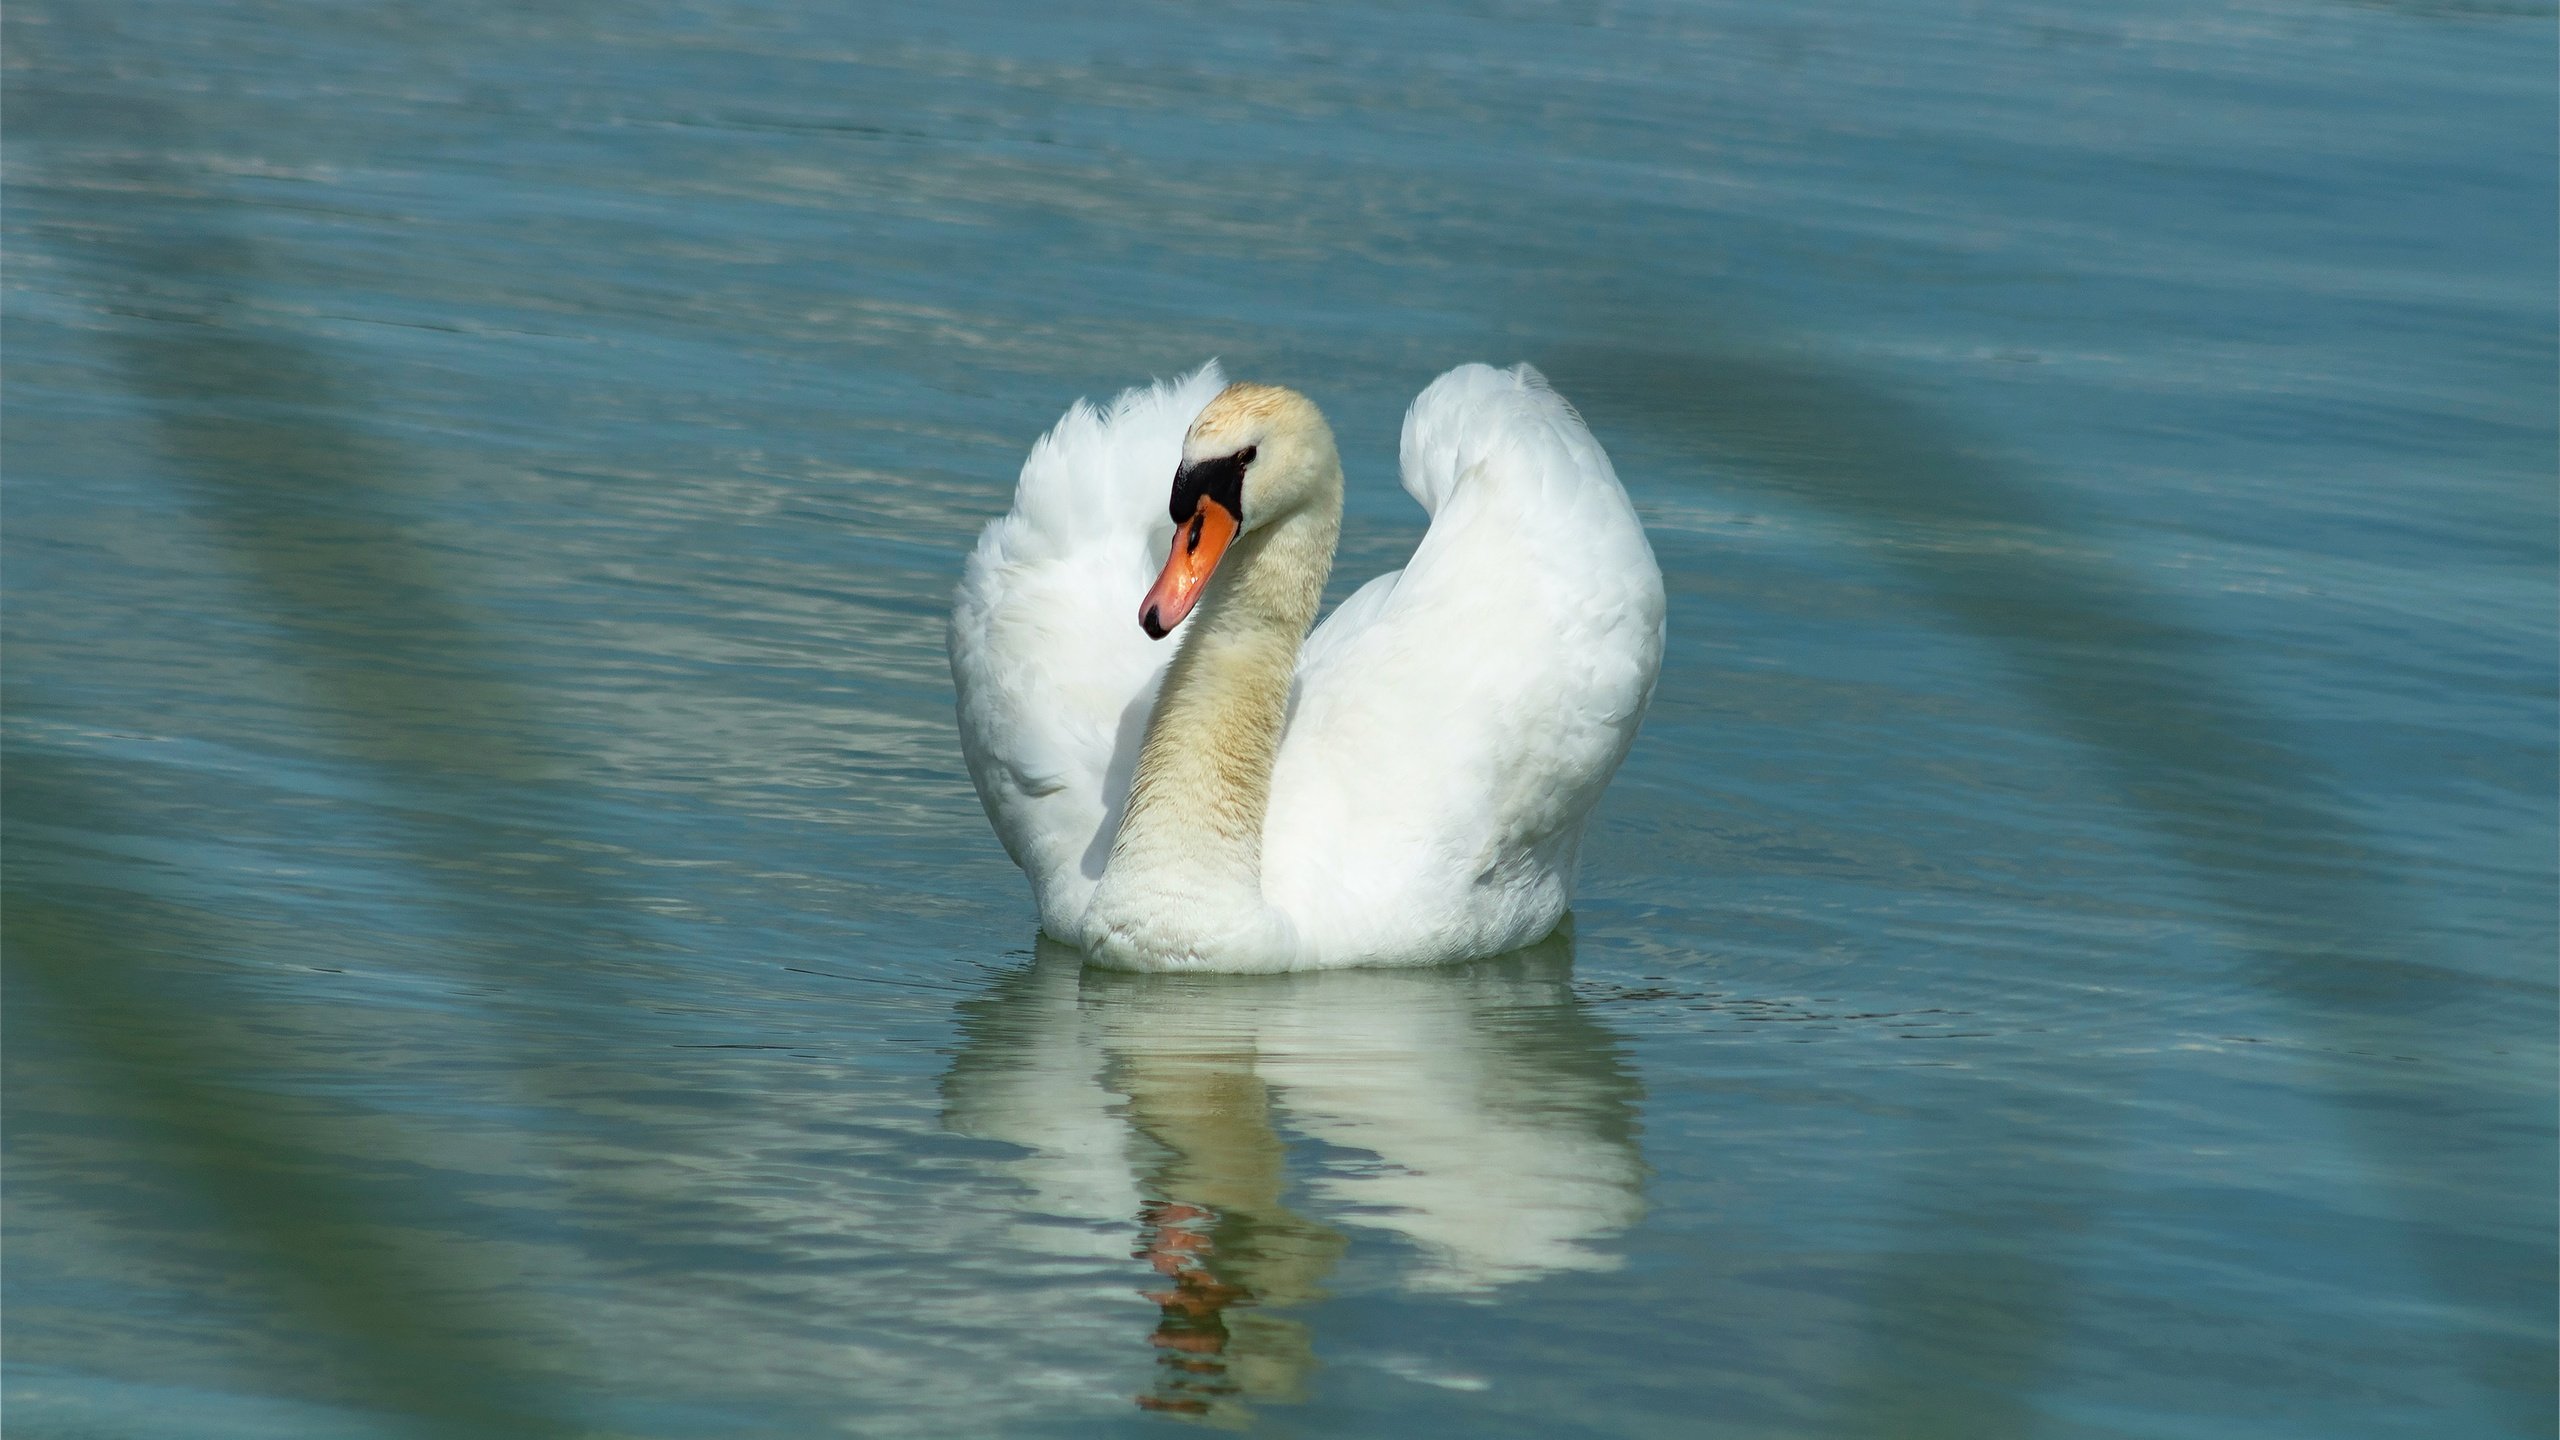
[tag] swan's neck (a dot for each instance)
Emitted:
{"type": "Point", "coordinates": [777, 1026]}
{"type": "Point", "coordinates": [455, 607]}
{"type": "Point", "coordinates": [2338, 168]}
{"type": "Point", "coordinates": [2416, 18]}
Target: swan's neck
{"type": "Point", "coordinates": [1186, 867]}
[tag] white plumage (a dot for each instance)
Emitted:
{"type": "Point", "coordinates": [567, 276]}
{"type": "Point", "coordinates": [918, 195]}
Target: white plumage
{"type": "Point", "coordinates": [1446, 731]}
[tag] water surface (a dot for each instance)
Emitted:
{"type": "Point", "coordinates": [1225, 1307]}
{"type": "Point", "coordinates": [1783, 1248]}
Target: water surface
{"type": "Point", "coordinates": [500, 940]}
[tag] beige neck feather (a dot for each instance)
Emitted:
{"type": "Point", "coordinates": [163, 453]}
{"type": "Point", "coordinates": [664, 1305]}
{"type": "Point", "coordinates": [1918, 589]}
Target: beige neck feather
{"type": "Point", "coordinates": [1192, 833]}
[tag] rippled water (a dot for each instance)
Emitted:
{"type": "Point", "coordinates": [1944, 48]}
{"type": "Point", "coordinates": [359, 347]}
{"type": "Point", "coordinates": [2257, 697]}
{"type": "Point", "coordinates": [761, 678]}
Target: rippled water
{"type": "Point", "coordinates": [500, 935]}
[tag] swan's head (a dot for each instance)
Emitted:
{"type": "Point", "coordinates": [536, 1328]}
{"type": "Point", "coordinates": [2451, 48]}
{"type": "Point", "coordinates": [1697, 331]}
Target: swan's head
{"type": "Point", "coordinates": [1257, 454]}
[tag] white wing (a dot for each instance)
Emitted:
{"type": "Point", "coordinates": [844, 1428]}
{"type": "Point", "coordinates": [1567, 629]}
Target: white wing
{"type": "Point", "coordinates": [1054, 676]}
{"type": "Point", "coordinates": [1454, 723]}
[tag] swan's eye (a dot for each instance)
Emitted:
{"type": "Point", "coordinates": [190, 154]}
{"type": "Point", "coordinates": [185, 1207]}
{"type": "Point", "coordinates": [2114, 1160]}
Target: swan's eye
{"type": "Point", "coordinates": [1245, 455]}
{"type": "Point", "coordinates": [1197, 521]}
{"type": "Point", "coordinates": [1202, 481]}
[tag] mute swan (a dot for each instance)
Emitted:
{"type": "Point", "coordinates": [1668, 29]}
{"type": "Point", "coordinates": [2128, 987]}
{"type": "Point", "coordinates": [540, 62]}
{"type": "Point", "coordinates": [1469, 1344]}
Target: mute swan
{"type": "Point", "coordinates": [1408, 784]}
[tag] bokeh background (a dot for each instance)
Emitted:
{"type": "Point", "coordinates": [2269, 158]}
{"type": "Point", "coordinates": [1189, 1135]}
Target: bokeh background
{"type": "Point", "coordinates": [499, 940]}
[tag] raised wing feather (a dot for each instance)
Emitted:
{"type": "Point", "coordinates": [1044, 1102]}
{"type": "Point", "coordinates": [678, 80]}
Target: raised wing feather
{"type": "Point", "coordinates": [1054, 676]}
{"type": "Point", "coordinates": [1454, 723]}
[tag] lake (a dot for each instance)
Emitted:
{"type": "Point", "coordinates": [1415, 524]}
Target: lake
{"type": "Point", "coordinates": [501, 941]}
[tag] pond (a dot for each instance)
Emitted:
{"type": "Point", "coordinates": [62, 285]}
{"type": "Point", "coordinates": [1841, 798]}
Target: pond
{"type": "Point", "coordinates": [501, 939]}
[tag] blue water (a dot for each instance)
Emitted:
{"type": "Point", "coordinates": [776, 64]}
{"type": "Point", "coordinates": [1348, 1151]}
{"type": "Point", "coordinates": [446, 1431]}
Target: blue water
{"type": "Point", "coordinates": [500, 939]}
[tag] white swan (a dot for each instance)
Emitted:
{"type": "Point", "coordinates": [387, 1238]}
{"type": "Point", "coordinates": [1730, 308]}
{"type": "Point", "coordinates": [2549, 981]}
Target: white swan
{"type": "Point", "coordinates": [1408, 785]}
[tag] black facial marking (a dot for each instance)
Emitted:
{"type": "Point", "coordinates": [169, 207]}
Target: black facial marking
{"type": "Point", "coordinates": [1221, 480]}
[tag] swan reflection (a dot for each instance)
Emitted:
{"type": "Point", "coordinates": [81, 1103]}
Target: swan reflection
{"type": "Point", "coordinates": [1478, 1112]}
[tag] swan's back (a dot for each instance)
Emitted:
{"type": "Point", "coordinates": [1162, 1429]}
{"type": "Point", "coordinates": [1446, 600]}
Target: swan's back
{"type": "Point", "coordinates": [1454, 723]}
{"type": "Point", "coordinates": [1054, 676]}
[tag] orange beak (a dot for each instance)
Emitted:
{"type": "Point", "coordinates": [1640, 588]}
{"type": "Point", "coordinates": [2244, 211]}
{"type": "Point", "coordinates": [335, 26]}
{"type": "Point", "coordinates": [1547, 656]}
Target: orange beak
{"type": "Point", "coordinates": [1197, 547]}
